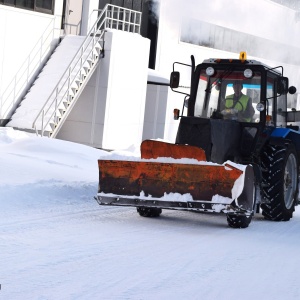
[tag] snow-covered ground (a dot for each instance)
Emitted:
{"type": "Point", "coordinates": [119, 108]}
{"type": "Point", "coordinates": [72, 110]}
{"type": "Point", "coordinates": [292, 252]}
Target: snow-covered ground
{"type": "Point", "coordinates": [56, 242]}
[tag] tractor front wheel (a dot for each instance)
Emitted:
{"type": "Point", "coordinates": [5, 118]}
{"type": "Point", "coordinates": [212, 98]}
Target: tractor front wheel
{"type": "Point", "coordinates": [151, 212]}
{"type": "Point", "coordinates": [238, 221]}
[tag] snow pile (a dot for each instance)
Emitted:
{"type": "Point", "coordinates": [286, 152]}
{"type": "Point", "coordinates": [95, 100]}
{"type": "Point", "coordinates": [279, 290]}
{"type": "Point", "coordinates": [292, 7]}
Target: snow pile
{"type": "Point", "coordinates": [29, 158]}
{"type": "Point", "coordinates": [8, 135]}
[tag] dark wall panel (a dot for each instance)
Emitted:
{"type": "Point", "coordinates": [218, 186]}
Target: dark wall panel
{"type": "Point", "coordinates": [127, 3]}
{"type": "Point", "coordinates": [149, 25]}
{"type": "Point", "coordinates": [137, 5]}
{"type": "Point", "coordinates": [118, 2]}
{"type": "Point", "coordinates": [131, 4]}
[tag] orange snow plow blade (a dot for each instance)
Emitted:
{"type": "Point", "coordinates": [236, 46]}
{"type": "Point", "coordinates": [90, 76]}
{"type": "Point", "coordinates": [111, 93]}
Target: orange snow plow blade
{"type": "Point", "coordinates": [132, 183]}
{"type": "Point", "coordinates": [155, 179]}
{"type": "Point", "coordinates": [153, 183]}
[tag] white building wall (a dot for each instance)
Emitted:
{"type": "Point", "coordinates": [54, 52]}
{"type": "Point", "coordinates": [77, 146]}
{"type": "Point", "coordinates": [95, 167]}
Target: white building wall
{"type": "Point", "coordinates": [155, 112]}
{"type": "Point", "coordinates": [22, 33]}
{"type": "Point", "coordinates": [110, 112]}
{"type": "Point", "coordinates": [20, 30]}
{"type": "Point", "coordinates": [261, 18]}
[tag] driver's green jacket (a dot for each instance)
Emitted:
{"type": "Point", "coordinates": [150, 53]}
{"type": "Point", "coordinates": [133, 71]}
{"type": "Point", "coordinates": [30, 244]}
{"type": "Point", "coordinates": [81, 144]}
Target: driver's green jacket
{"type": "Point", "coordinates": [240, 105]}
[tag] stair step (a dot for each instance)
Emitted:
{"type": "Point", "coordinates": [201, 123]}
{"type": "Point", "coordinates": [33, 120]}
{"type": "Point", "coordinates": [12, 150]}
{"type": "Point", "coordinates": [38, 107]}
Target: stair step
{"type": "Point", "coordinates": [53, 126]}
{"type": "Point", "coordinates": [59, 112]}
{"type": "Point", "coordinates": [98, 46]}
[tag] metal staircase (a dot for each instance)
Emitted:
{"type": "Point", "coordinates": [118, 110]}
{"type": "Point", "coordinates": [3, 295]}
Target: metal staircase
{"type": "Point", "coordinates": [55, 109]}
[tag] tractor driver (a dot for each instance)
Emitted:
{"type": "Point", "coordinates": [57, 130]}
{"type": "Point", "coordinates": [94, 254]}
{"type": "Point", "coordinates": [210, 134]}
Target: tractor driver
{"type": "Point", "coordinates": [242, 103]}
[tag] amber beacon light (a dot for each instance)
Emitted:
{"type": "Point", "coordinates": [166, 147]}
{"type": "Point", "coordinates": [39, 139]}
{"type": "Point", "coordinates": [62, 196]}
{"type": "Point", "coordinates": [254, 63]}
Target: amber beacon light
{"type": "Point", "coordinates": [243, 56]}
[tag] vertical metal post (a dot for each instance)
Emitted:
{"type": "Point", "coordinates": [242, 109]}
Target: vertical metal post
{"type": "Point", "coordinates": [41, 50]}
{"type": "Point", "coordinates": [69, 85]}
{"type": "Point", "coordinates": [81, 58]}
{"type": "Point", "coordinates": [56, 96]}
{"type": "Point", "coordinates": [15, 84]}
{"type": "Point", "coordinates": [42, 129]}
{"type": "Point", "coordinates": [135, 17]}
{"type": "Point", "coordinates": [129, 21]}
{"type": "Point", "coordinates": [118, 18]}
{"type": "Point", "coordinates": [1, 107]}
{"type": "Point", "coordinates": [124, 20]}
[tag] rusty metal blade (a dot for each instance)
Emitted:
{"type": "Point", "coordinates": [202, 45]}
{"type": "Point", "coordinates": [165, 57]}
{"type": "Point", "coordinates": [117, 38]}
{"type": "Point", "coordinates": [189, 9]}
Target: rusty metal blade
{"type": "Point", "coordinates": [155, 179]}
{"type": "Point", "coordinates": [155, 149]}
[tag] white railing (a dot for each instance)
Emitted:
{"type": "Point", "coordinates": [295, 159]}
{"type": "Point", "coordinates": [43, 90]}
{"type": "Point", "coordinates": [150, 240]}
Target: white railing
{"type": "Point", "coordinates": [123, 19]}
{"type": "Point", "coordinates": [112, 17]}
{"type": "Point", "coordinates": [27, 71]}
{"type": "Point", "coordinates": [72, 28]}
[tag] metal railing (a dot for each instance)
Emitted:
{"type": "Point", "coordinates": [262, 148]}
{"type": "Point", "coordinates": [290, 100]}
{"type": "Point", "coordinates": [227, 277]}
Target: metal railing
{"type": "Point", "coordinates": [72, 28]}
{"type": "Point", "coordinates": [112, 17]}
{"type": "Point", "coordinates": [123, 19]}
{"type": "Point", "coordinates": [27, 71]}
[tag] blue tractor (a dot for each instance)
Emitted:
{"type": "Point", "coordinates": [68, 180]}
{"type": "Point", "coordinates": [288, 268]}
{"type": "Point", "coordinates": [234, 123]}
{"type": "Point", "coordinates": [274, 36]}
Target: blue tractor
{"type": "Point", "coordinates": [238, 113]}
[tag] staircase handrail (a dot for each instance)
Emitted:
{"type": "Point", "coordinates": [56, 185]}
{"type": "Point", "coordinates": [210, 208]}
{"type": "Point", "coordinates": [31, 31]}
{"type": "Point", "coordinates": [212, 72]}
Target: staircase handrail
{"type": "Point", "coordinates": [27, 69]}
{"type": "Point", "coordinates": [104, 21]}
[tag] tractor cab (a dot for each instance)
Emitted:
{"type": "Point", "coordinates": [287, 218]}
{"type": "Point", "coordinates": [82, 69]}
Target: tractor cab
{"type": "Point", "coordinates": [226, 95]}
{"type": "Point", "coordinates": [231, 102]}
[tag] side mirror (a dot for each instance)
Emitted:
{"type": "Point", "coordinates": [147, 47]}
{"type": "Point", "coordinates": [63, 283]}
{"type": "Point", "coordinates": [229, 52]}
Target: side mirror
{"type": "Point", "coordinates": [174, 79]}
{"type": "Point", "coordinates": [282, 85]}
{"type": "Point", "coordinates": [292, 90]}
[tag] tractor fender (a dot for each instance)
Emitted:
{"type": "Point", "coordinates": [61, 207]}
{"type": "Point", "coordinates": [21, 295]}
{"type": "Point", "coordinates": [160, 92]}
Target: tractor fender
{"type": "Point", "coordinates": [283, 136]}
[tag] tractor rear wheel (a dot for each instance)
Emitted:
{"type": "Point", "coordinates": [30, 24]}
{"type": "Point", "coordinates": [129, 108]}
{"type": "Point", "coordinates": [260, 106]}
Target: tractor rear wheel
{"type": "Point", "coordinates": [151, 212]}
{"type": "Point", "coordinates": [279, 182]}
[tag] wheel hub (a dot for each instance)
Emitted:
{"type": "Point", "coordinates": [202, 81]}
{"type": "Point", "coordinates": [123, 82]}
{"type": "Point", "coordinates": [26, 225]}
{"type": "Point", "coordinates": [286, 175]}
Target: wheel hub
{"type": "Point", "coordinates": [290, 180]}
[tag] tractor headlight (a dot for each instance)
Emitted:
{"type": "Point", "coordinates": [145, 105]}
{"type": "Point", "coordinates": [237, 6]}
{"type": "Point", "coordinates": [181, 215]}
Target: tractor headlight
{"type": "Point", "coordinates": [210, 71]}
{"type": "Point", "coordinates": [260, 106]}
{"type": "Point", "coordinates": [248, 73]}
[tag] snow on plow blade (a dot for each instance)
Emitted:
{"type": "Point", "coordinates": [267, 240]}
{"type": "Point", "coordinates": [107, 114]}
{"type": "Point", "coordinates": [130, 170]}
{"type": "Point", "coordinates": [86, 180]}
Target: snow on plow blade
{"type": "Point", "coordinates": [211, 187]}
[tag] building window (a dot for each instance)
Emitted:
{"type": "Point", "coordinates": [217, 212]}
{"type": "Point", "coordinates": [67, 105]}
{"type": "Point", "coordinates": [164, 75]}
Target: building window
{"type": "Point", "coordinates": [44, 6]}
